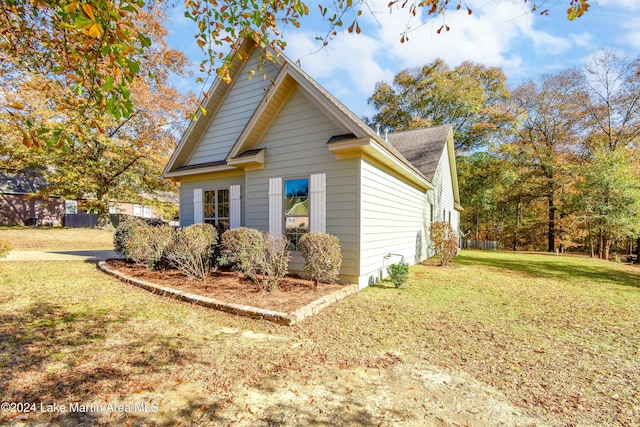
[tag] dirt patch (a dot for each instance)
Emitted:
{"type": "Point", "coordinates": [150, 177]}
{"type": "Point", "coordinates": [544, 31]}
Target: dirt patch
{"type": "Point", "coordinates": [406, 394]}
{"type": "Point", "coordinates": [230, 286]}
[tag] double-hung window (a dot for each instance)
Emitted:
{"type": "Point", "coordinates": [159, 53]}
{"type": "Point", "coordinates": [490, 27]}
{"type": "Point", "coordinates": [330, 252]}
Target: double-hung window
{"type": "Point", "coordinates": [216, 208]}
{"type": "Point", "coordinates": [296, 210]}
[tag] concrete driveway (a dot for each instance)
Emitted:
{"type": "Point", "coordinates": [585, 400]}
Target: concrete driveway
{"type": "Point", "coordinates": [80, 255]}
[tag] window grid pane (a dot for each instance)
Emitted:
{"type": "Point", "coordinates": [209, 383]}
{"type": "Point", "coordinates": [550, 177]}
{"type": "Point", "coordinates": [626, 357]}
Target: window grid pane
{"type": "Point", "coordinates": [296, 210]}
{"type": "Point", "coordinates": [216, 207]}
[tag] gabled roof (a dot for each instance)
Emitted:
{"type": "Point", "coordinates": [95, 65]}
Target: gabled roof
{"type": "Point", "coordinates": [211, 104]}
{"type": "Point", "coordinates": [414, 153]}
{"type": "Point", "coordinates": [422, 147]}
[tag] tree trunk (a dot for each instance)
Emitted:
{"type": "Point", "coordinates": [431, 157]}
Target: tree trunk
{"type": "Point", "coordinates": [515, 233]}
{"type": "Point", "coordinates": [551, 245]}
{"type": "Point", "coordinates": [638, 251]}
{"type": "Point", "coordinates": [102, 210]}
{"type": "Point", "coordinates": [606, 245]}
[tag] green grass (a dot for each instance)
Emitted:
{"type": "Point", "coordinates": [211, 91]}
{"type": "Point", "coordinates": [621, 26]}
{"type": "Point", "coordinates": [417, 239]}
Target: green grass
{"type": "Point", "coordinates": [49, 239]}
{"type": "Point", "coordinates": [559, 336]}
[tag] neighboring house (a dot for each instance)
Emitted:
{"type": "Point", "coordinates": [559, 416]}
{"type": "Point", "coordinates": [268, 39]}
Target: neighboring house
{"type": "Point", "coordinates": [22, 202]}
{"type": "Point", "coordinates": [282, 155]}
{"type": "Point", "coordinates": [19, 206]}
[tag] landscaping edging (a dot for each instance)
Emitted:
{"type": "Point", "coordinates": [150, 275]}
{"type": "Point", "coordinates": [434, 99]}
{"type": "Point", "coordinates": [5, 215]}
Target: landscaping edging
{"type": "Point", "coordinates": [243, 310]}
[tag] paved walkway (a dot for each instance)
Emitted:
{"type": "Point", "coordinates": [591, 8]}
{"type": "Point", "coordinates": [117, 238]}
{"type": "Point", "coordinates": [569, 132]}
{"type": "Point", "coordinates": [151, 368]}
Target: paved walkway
{"type": "Point", "coordinates": [79, 255]}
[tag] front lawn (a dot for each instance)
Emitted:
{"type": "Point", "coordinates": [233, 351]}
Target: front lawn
{"type": "Point", "coordinates": [56, 238]}
{"type": "Point", "coordinates": [500, 337]}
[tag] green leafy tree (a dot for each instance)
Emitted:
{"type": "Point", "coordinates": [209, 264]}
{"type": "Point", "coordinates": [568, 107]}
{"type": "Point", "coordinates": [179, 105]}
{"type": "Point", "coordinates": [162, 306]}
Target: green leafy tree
{"type": "Point", "coordinates": [488, 187]}
{"type": "Point", "coordinates": [94, 47]}
{"type": "Point", "coordinates": [104, 157]}
{"type": "Point", "coordinates": [471, 97]}
{"type": "Point", "coordinates": [611, 150]}
{"type": "Point", "coordinates": [547, 140]}
{"type": "Point", "coordinates": [610, 198]}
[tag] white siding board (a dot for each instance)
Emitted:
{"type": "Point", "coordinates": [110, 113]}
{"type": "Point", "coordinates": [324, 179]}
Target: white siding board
{"type": "Point", "coordinates": [442, 196]}
{"type": "Point", "coordinates": [392, 221]}
{"type": "Point", "coordinates": [235, 112]}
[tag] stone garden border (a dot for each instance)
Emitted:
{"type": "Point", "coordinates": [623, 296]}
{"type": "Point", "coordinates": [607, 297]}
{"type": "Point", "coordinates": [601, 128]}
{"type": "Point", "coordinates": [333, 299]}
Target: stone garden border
{"type": "Point", "coordinates": [242, 310]}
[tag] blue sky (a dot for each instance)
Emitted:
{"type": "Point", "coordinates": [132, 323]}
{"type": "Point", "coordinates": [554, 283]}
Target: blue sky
{"type": "Point", "coordinates": [498, 33]}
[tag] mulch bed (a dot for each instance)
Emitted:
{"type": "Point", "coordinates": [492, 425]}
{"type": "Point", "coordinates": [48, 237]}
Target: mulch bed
{"type": "Point", "coordinates": [230, 286]}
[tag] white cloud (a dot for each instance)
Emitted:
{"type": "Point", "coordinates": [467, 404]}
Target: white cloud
{"type": "Point", "coordinates": [347, 67]}
{"type": "Point", "coordinates": [620, 4]}
{"type": "Point", "coordinates": [502, 34]}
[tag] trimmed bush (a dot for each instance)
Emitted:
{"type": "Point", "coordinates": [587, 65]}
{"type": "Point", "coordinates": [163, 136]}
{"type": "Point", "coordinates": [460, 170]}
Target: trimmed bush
{"type": "Point", "coordinates": [5, 248]}
{"type": "Point", "coordinates": [444, 241]}
{"type": "Point", "coordinates": [398, 273]}
{"type": "Point", "coordinates": [193, 250]}
{"type": "Point", "coordinates": [148, 245]}
{"type": "Point", "coordinates": [322, 257]}
{"type": "Point", "coordinates": [275, 262]}
{"type": "Point", "coordinates": [123, 234]}
{"type": "Point", "coordinates": [246, 247]}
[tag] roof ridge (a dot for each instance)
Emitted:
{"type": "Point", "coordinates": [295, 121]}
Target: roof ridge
{"type": "Point", "coordinates": [421, 129]}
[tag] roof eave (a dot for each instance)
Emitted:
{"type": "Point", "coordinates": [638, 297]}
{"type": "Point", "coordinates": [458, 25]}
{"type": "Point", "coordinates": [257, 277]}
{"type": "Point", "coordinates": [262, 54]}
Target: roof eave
{"type": "Point", "coordinates": [254, 161]}
{"type": "Point", "coordinates": [371, 148]}
{"type": "Point", "coordinates": [197, 171]}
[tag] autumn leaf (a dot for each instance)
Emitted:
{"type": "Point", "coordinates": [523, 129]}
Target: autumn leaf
{"type": "Point", "coordinates": [88, 11]}
{"type": "Point", "coordinates": [95, 31]}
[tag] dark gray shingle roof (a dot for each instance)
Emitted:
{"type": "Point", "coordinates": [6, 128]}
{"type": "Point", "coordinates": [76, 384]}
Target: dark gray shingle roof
{"type": "Point", "coordinates": [201, 165]}
{"type": "Point", "coordinates": [22, 182]}
{"type": "Point", "coordinates": [422, 147]}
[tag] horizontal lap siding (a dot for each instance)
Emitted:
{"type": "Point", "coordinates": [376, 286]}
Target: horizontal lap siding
{"type": "Point", "coordinates": [442, 196]}
{"type": "Point", "coordinates": [243, 98]}
{"type": "Point", "coordinates": [393, 221]}
{"type": "Point", "coordinates": [296, 146]}
{"type": "Point", "coordinates": [186, 194]}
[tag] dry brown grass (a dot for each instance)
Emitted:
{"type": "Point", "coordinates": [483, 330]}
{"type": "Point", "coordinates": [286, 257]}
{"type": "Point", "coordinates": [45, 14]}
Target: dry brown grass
{"type": "Point", "coordinates": [558, 337]}
{"type": "Point", "coordinates": [48, 239]}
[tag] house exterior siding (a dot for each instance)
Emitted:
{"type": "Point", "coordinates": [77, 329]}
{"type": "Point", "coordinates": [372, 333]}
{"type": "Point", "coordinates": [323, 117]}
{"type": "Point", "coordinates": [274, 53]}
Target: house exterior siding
{"type": "Point", "coordinates": [296, 146]}
{"type": "Point", "coordinates": [374, 194]}
{"type": "Point", "coordinates": [17, 209]}
{"type": "Point", "coordinates": [244, 96]}
{"type": "Point", "coordinates": [393, 221]}
{"type": "Point", "coordinates": [442, 196]}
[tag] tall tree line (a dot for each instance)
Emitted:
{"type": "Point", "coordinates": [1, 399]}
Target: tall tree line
{"type": "Point", "coordinates": [551, 164]}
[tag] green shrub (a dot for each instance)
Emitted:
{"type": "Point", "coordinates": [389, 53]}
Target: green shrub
{"type": "Point", "coordinates": [246, 247]}
{"type": "Point", "coordinates": [193, 250]}
{"type": "Point", "coordinates": [123, 234]}
{"type": "Point", "coordinates": [398, 273]}
{"type": "Point", "coordinates": [444, 241]}
{"type": "Point", "coordinates": [322, 257]}
{"type": "Point", "coordinates": [5, 248]}
{"type": "Point", "coordinates": [148, 245]}
{"type": "Point", "coordinates": [275, 261]}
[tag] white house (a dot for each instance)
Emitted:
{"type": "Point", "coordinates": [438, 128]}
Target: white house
{"type": "Point", "coordinates": [281, 154]}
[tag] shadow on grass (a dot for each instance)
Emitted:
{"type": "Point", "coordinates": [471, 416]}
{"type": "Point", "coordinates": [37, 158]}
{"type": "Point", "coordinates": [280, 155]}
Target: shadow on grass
{"type": "Point", "coordinates": [50, 355]}
{"type": "Point", "coordinates": [577, 270]}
